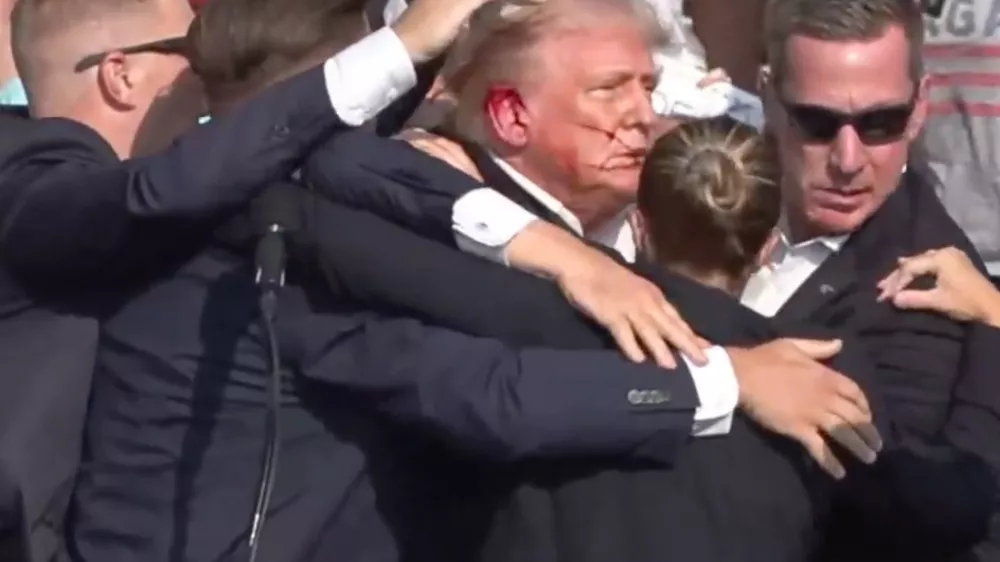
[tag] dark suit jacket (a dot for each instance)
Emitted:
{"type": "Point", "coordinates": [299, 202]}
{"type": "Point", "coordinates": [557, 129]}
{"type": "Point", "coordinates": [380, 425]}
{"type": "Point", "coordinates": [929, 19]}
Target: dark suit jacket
{"type": "Point", "coordinates": [583, 511]}
{"type": "Point", "coordinates": [79, 229]}
{"type": "Point", "coordinates": [974, 420]}
{"type": "Point", "coordinates": [919, 364]}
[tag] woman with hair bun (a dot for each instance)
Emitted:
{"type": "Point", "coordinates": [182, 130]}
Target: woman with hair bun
{"type": "Point", "coordinates": [709, 201]}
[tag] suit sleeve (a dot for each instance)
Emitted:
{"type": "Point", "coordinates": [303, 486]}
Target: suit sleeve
{"type": "Point", "coordinates": [974, 423]}
{"type": "Point", "coordinates": [396, 116]}
{"type": "Point", "coordinates": [488, 399]}
{"type": "Point", "coordinates": [70, 213]}
{"type": "Point", "coordinates": [910, 353]}
{"type": "Point", "coordinates": [391, 179]}
{"type": "Point", "coordinates": [443, 286]}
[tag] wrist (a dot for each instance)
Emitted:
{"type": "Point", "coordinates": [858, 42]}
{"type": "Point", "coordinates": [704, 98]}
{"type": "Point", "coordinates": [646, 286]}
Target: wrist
{"type": "Point", "coordinates": [412, 41]}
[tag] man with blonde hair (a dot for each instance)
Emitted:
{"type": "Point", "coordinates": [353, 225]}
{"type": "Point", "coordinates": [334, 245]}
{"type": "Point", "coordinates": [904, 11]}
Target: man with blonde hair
{"type": "Point", "coordinates": [554, 112]}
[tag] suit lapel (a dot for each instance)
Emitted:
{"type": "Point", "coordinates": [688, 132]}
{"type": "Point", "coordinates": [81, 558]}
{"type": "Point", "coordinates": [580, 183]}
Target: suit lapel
{"type": "Point", "coordinates": [862, 258]}
{"type": "Point", "coordinates": [835, 277]}
{"type": "Point", "coordinates": [496, 178]}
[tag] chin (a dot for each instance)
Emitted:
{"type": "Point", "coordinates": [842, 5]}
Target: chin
{"type": "Point", "coordinates": [624, 181]}
{"type": "Point", "coordinates": [827, 222]}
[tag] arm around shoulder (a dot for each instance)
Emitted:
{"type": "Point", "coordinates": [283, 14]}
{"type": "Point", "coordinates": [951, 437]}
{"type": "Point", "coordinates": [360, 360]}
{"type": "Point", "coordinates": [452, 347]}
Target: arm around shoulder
{"type": "Point", "coordinates": [489, 399]}
{"type": "Point", "coordinates": [69, 209]}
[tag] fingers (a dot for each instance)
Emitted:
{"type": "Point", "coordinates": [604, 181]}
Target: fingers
{"type": "Point", "coordinates": [677, 332]}
{"type": "Point", "coordinates": [656, 330]}
{"type": "Point", "coordinates": [818, 449]}
{"type": "Point", "coordinates": [652, 332]}
{"type": "Point", "coordinates": [413, 136]}
{"type": "Point", "coordinates": [849, 390]}
{"type": "Point", "coordinates": [913, 299]}
{"type": "Point", "coordinates": [852, 427]}
{"type": "Point", "coordinates": [621, 331]}
{"type": "Point", "coordinates": [850, 439]}
{"type": "Point", "coordinates": [714, 76]}
{"type": "Point", "coordinates": [906, 271]}
{"type": "Point", "coordinates": [872, 437]}
{"type": "Point", "coordinates": [817, 349]}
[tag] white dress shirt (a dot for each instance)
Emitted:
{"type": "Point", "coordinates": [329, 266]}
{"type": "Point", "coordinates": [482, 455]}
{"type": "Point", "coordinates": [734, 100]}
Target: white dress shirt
{"type": "Point", "coordinates": [484, 222]}
{"type": "Point", "coordinates": [787, 269]}
{"type": "Point", "coordinates": [366, 77]}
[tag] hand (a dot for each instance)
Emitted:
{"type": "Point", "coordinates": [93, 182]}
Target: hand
{"type": "Point", "coordinates": [785, 389]}
{"type": "Point", "coordinates": [428, 27]}
{"type": "Point", "coordinates": [442, 149]}
{"type": "Point", "coordinates": [960, 290]}
{"type": "Point", "coordinates": [714, 76]}
{"type": "Point", "coordinates": [666, 123]}
{"type": "Point", "coordinates": [630, 307]}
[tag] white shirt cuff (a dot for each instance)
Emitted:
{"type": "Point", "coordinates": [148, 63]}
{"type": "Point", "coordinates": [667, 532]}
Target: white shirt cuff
{"type": "Point", "coordinates": [718, 392]}
{"type": "Point", "coordinates": [484, 223]}
{"type": "Point", "coordinates": [366, 77]}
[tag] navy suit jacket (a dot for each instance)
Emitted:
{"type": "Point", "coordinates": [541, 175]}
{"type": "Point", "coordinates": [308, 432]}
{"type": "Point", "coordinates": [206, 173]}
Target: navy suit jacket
{"type": "Point", "coordinates": [919, 359]}
{"type": "Point", "coordinates": [974, 420]}
{"type": "Point", "coordinates": [79, 231]}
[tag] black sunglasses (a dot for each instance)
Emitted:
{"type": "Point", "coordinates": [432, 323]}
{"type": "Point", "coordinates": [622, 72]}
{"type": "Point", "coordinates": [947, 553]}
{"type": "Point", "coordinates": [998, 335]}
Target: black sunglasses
{"type": "Point", "coordinates": [168, 46]}
{"type": "Point", "coordinates": [881, 125]}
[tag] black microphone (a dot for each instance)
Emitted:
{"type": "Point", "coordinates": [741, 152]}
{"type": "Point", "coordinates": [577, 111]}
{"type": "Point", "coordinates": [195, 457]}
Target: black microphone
{"type": "Point", "coordinates": [274, 213]}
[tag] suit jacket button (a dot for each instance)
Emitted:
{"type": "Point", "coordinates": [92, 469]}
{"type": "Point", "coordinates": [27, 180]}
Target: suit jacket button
{"type": "Point", "coordinates": [658, 397]}
{"type": "Point", "coordinates": [636, 397]}
{"type": "Point", "coordinates": [280, 131]}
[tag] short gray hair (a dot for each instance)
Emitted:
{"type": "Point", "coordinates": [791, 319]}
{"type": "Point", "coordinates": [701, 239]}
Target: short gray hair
{"type": "Point", "coordinates": [497, 46]}
{"type": "Point", "coordinates": [841, 20]}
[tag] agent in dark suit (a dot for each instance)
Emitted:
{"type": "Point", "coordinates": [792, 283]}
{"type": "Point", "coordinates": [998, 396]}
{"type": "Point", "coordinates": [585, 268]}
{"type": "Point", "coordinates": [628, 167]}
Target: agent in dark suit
{"type": "Point", "coordinates": [844, 130]}
{"type": "Point", "coordinates": [80, 229]}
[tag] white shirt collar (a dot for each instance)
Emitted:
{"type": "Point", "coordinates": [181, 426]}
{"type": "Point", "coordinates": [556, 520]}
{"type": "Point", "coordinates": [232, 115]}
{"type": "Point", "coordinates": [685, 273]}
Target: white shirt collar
{"type": "Point", "coordinates": [616, 234]}
{"type": "Point", "coordinates": [828, 244]}
{"type": "Point", "coordinates": [544, 197]}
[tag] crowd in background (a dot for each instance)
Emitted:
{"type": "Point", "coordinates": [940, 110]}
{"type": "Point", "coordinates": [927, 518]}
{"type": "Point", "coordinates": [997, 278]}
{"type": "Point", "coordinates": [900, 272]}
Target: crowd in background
{"type": "Point", "coordinates": [499, 281]}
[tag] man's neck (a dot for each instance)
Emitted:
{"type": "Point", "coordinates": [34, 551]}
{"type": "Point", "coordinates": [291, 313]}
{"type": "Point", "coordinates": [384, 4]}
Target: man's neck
{"type": "Point", "coordinates": [121, 142]}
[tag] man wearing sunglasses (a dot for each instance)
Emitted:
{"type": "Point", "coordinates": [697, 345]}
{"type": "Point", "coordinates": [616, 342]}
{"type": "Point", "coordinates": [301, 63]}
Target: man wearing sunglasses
{"type": "Point", "coordinates": [845, 100]}
{"type": "Point", "coordinates": [106, 188]}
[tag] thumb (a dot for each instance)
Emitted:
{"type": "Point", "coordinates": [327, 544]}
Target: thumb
{"type": "Point", "coordinates": [817, 349]}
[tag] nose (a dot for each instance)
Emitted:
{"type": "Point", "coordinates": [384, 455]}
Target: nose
{"type": "Point", "coordinates": [639, 112]}
{"type": "Point", "coordinates": [848, 152]}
